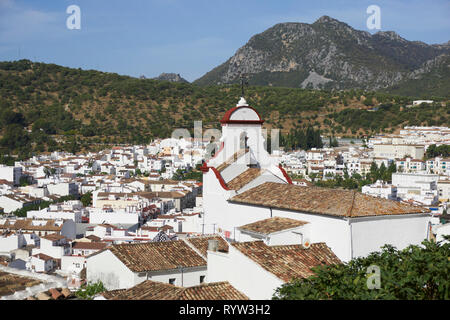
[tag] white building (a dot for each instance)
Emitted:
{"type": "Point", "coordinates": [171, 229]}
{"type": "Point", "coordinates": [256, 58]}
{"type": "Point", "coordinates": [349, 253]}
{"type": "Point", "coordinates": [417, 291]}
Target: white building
{"type": "Point", "coordinates": [14, 201]}
{"type": "Point", "coordinates": [398, 151]}
{"type": "Point", "coordinates": [417, 187]}
{"type": "Point", "coordinates": [417, 102]}
{"type": "Point", "coordinates": [63, 189]}
{"type": "Point", "coordinates": [126, 265]}
{"type": "Point", "coordinates": [53, 245]}
{"type": "Point", "coordinates": [11, 173]}
{"type": "Point", "coordinates": [257, 269]}
{"type": "Point", "coordinates": [109, 215]}
{"type": "Point", "coordinates": [40, 263]}
{"type": "Point", "coordinates": [10, 241]}
{"type": "Point", "coordinates": [75, 262]}
{"type": "Point", "coordinates": [381, 190]}
{"type": "Point", "coordinates": [245, 185]}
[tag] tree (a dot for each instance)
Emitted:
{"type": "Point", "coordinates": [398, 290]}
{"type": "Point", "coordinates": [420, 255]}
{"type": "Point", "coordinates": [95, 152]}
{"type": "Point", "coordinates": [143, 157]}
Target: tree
{"type": "Point", "coordinates": [88, 291]}
{"type": "Point", "coordinates": [86, 199]}
{"type": "Point", "coordinates": [414, 273]}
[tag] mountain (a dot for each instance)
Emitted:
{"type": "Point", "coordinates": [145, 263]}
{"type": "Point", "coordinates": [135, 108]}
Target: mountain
{"type": "Point", "coordinates": [172, 77]}
{"type": "Point", "coordinates": [326, 54]}
{"type": "Point", "coordinates": [46, 107]}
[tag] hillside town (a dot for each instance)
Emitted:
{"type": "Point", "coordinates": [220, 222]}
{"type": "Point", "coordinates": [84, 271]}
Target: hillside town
{"type": "Point", "coordinates": [133, 218]}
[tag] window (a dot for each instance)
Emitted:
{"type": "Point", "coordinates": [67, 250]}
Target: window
{"type": "Point", "coordinates": [202, 279]}
{"type": "Point", "coordinates": [172, 280]}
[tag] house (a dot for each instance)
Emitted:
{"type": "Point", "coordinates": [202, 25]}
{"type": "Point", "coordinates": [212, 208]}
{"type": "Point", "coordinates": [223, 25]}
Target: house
{"type": "Point", "coordinates": [40, 228]}
{"type": "Point", "coordinates": [257, 269]}
{"type": "Point", "coordinates": [421, 188]}
{"type": "Point", "coordinates": [63, 189]}
{"type": "Point", "coordinates": [41, 263]}
{"type": "Point", "coordinates": [55, 246]}
{"type": "Point", "coordinates": [11, 173]}
{"type": "Point", "coordinates": [122, 266]}
{"type": "Point", "coordinates": [76, 261]}
{"type": "Point", "coordinates": [14, 201]}
{"type": "Point", "coordinates": [10, 241]}
{"type": "Point", "coordinates": [393, 151]}
{"type": "Point", "coordinates": [381, 190]}
{"type": "Point", "coordinates": [152, 290]}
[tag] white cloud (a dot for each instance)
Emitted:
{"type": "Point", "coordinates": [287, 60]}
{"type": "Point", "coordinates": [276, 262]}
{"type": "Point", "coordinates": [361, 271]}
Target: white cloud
{"type": "Point", "coordinates": [20, 24]}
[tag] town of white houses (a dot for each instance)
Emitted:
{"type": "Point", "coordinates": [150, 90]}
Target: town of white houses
{"type": "Point", "coordinates": [313, 164]}
{"type": "Point", "coordinates": [118, 216]}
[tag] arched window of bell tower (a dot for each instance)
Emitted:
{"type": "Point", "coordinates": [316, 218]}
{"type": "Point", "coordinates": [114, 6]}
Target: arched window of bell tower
{"type": "Point", "coordinates": [243, 140]}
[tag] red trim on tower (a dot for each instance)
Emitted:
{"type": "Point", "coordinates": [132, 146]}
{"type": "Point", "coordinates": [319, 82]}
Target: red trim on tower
{"type": "Point", "coordinates": [226, 118]}
{"type": "Point", "coordinates": [243, 122]}
{"type": "Point", "coordinates": [204, 168]}
{"type": "Point", "coordinates": [219, 177]}
{"type": "Point", "coordinates": [286, 176]}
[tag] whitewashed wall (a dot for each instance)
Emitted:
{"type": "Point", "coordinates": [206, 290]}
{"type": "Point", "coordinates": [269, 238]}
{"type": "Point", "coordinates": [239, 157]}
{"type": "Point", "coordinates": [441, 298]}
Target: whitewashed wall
{"type": "Point", "coordinates": [242, 273]}
{"type": "Point", "coordinates": [107, 268]}
{"type": "Point", "coordinates": [369, 234]}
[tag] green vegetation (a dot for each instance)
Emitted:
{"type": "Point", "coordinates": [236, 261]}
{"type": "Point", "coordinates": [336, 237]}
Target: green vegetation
{"type": "Point", "coordinates": [86, 199]}
{"type": "Point", "coordinates": [387, 117]}
{"type": "Point", "coordinates": [356, 181]}
{"type": "Point", "coordinates": [441, 151]}
{"type": "Point", "coordinates": [415, 273]}
{"type": "Point", "coordinates": [302, 139]}
{"type": "Point", "coordinates": [188, 175]}
{"type": "Point", "coordinates": [87, 292]}
{"type": "Point", "coordinates": [45, 107]}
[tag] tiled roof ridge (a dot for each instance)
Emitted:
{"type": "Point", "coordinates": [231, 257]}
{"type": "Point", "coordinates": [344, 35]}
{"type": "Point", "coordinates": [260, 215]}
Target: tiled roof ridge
{"type": "Point", "coordinates": [349, 212]}
{"type": "Point", "coordinates": [194, 248]}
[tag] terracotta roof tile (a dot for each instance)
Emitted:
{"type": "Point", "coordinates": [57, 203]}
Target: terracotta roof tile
{"type": "Point", "coordinates": [244, 178]}
{"type": "Point", "coordinates": [272, 225]}
{"type": "Point", "coordinates": [201, 243]}
{"type": "Point", "coordinates": [153, 256]}
{"type": "Point", "coordinates": [334, 202]}
{"type": "Point", "coordinates": [289, 261]}
{"type": "Point", "coordinates": [152, 290]}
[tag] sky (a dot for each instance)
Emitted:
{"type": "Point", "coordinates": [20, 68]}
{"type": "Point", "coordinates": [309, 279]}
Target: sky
{"type": "Point", "coordinates": [189, 37]}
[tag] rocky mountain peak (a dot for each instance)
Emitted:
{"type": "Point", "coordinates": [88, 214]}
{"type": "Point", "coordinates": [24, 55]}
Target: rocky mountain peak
{"type": "Point", "coordinates": [172, 77]}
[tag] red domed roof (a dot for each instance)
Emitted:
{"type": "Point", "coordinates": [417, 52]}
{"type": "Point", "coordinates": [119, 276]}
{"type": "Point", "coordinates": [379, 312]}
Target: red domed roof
{"type": "Point", "coordinates": [227, 118]}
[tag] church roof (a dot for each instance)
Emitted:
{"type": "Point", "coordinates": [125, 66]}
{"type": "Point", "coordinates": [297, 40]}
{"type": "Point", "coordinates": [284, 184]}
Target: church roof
{"type": "Point", "coordinates": [333, 202]}
{"type": "Point", "coordinates": [244, 178]}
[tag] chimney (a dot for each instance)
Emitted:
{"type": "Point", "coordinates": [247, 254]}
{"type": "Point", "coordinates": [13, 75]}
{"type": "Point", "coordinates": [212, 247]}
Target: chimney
{"type": "Point", "coordinates": [213, 245]}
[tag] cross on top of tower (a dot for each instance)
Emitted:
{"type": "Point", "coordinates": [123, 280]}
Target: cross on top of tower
{"type": "Point", "coordinates": [244, 82]}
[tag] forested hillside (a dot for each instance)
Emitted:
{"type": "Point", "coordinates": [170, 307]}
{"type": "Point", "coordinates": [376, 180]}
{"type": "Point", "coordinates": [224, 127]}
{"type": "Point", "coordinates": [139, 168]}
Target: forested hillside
{"type": "Point", "coordinates": [46, 107]}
